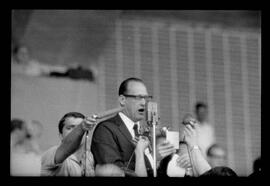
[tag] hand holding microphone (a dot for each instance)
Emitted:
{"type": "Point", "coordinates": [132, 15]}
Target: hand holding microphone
{"type": "Point", "coordinates": [190, 136]}
{"type": "Point", "coordinates": [142, 143]}
{"type": "Point", "coordinates": [89, 123]}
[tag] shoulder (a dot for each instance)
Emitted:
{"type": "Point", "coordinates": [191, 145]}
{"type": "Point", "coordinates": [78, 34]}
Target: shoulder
{"type": "Point", "coordinates": [50, 150]}
{"type": "Point", "coordinates": [206, 126]}
{"type": "Point", "coordinates": [110, 123]}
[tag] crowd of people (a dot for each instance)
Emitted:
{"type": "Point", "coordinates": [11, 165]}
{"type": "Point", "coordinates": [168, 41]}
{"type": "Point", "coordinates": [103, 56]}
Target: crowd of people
{"type": "Point", "coordinates": [118, 147]}
{"type": "Point", "coordinates": [25, 152]}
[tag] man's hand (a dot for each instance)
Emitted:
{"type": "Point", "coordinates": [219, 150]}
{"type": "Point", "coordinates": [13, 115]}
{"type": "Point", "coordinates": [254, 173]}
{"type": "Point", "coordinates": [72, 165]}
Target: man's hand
{"type": "Point", "coordinates": [89, 123]}
{"type": "Point", "coordinates": [164, 149]}
{"type": "Point", "coordinates": [183, 161]}
{"type": "Point", "coordinates": [142, 143]}
{"type": "Point", "coordinates": [190, 135]}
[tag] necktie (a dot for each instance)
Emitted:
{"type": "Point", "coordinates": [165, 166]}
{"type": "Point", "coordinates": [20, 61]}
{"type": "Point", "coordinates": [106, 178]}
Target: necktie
{"type": "Point", "coordinates": [136, 132]}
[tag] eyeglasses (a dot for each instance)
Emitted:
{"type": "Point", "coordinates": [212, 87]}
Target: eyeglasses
{"type": "Point", "coordinates": [139, 97]}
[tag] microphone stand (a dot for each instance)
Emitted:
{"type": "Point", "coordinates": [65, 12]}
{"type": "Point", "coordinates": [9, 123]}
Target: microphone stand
{"type": "Point", "coordinates": [154, 148]}
{"type": "Point", "coordinates": [99, 116]}
{"type": "Point", "coordinates": [86, 145]}
{"type": "Point", "coordinates": [152, 120]}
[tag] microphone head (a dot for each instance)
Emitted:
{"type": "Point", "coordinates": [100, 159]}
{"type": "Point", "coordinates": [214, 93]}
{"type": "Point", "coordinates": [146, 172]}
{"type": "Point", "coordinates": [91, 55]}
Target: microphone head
{"type": "Point", "coordinates": [148, 112]}
{"type": "Point", "coordinates": [151, 112]}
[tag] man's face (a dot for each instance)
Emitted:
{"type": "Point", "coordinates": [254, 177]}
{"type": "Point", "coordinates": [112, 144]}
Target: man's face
{"type": "Point", "coordinates": [202, 114]}
{"type": "Point", "coordinates": [22, 133]}
{"type": "Point", "coordinates": [134, 108]}
{"type": "Point", "coordinates": [70, 124]}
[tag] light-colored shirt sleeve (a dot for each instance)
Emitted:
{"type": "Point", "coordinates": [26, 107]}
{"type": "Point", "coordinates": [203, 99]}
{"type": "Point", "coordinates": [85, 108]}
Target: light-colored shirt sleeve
{"type": "Point", "coordinates": [48, 165]}
{"type": "Point", "coordinates": [69, 167]}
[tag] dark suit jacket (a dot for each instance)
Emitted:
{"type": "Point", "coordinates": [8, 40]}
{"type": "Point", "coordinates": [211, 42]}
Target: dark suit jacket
{"type": "Point", "coordinates": [111, 143]}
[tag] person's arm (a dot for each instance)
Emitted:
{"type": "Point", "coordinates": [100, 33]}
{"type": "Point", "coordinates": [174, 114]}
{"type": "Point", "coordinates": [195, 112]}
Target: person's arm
{"type": "Point", "coordinates": [73, 140]}
{"type": "Point", "coordinates": [140, 168]}
{"type": "Point", "coordinates": [199, 163]}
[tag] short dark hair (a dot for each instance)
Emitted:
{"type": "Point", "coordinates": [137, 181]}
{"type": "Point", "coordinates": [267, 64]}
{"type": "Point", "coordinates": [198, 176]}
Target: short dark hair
{"type": "Point", "coordinates": [67, 115]}
{"type": "Point", "coordinates": [257, 164]}
{"type": "Point", "coordinates": [123, 87]}
{"type": "Point", "coordinates": [16, 124]}
{"type": "Point", "coordinates": [199, 105]}
{"type": "Point", "coordinates": [220, 171]}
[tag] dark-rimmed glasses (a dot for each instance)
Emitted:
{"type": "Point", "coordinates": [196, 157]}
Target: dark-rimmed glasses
{"type": "Point", "coordinates": [139, 97]}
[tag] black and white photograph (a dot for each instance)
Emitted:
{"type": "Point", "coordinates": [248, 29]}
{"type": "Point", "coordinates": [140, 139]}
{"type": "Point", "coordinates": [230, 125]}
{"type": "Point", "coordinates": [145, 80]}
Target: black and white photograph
{"type": "Point", "coordinates": [135, 93]}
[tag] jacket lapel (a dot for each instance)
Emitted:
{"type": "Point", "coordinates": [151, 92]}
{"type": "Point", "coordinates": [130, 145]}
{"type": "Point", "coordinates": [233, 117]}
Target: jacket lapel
{"type": "Point", "coordinates": [123, 128]}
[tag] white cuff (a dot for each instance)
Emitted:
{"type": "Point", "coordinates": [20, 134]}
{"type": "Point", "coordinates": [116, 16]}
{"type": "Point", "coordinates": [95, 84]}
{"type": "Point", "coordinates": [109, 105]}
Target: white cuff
{"type": "Point", "coordinates": [194, 147]}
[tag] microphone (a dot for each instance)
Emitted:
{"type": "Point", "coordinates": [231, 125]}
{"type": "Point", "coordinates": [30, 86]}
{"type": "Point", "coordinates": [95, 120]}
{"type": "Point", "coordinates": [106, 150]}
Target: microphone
{"type": "Point", "coordinates": [151, 112]}
{"type": "Point", "coordinates": [152, 119]}
{"type": "Point", "coordinates": [104, 115]}
{"type": "Point", "coordinates": [108, 113]}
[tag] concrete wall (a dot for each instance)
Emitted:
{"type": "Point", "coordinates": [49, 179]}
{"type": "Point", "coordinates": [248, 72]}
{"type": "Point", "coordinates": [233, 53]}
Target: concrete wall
{"type": "Point", "coordinates": [48, 99]}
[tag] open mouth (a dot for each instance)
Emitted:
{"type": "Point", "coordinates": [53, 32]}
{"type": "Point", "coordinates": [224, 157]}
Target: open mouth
{"type": "Point", "coordinates": [141, 110]}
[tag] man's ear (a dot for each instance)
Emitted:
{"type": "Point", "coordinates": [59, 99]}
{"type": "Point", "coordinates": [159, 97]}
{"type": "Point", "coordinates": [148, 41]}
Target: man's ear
{"type": "Point", "coordinates": [122, 100]}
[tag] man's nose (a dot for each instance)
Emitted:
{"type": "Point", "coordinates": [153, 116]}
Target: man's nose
{"type": "Point", "coordinates": [143, 101]}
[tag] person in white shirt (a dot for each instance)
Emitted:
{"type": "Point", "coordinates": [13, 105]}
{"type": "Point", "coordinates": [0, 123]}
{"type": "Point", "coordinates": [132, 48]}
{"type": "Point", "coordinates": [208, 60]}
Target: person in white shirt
{"type": "Point", "coordinates": [70, 157]}
{"type": "Point", "coordinates": [205, 130]}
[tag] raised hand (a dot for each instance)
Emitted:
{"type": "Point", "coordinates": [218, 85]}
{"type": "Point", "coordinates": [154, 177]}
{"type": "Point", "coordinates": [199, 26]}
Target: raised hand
{"type": "Point", "coordinates": [190, 135]}
{"type": "Point", "coordinates": [142, 143]}
{"type": "Point", "coordinates": [89, 123]}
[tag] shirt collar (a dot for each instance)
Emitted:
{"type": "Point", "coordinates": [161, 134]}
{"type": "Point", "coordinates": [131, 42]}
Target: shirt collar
{"type": "Point", "coordinates": [129, 123]}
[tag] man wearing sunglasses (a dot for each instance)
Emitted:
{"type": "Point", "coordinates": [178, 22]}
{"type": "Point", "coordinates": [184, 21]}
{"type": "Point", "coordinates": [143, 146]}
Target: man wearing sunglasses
{"type": "Point", "coordinates": [112, 140]}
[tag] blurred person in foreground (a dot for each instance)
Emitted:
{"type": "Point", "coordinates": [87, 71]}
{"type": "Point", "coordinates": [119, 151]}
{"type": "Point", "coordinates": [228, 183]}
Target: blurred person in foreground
{"type": "Point", "coordinates": [68, 158]}
{"type": "Point", "coordinates": [109, 170]}
{"type": "Point", "coordinates": [220, 171]}
{"type": "Point", "coordinates": [112, 140]}
{"type": "Point", "coordinates": [25, 154]}
{"type": "Point", "coordinates": [257, 168]}
{"type": "Point", "coordinates": [216, 155]}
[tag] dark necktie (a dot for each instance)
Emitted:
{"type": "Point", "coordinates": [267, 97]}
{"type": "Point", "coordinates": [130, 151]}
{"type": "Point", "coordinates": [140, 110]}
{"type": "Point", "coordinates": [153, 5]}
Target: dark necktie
{"type": "Point", "coordinates": [136, 132]}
